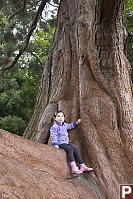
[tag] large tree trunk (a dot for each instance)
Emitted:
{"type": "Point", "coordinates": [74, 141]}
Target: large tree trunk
{"type": "Point", "coordinates": [88, 75]}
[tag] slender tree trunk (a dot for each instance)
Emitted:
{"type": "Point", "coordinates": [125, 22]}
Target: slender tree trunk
{"type": "Point", "coordinates": [88, 75]}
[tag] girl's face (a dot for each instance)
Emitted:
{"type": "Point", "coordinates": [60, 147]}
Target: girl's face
{"type": "Point", "coordinates": [60, 117]}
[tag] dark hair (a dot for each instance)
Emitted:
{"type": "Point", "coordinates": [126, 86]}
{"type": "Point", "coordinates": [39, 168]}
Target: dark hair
{"type": "Point", "coordinates": [55, 114]}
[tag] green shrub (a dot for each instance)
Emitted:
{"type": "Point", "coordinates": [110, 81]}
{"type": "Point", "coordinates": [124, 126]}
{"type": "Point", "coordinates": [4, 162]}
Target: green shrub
{"type": "Point", "coordinates": [13, 124]}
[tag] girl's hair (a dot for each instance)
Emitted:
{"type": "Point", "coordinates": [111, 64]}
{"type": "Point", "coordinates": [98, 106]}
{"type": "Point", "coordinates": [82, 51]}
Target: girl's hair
{"type": "Point", "coordinates": [55, 114]}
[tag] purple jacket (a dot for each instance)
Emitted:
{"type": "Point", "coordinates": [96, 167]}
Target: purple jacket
{"type": "Point", "coordinates": [59, 134]}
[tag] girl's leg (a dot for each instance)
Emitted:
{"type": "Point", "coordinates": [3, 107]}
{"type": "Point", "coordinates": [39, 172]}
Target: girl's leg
{"type": "Point", "coordinates": [77, 154]}
{"type": "Point", "coordinates": [69, 151]}
{"type": "Point", "coordinates": [70, 154]}
{"type": "Point", "coordinates": [78, 157]}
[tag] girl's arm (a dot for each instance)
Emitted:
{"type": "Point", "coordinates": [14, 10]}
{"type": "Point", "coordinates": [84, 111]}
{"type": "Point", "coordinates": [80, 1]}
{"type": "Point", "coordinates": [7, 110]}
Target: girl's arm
{"type": "Point", "coordinates": [53, 134]}
{"type": "Point", "coordinates": [74, 124]}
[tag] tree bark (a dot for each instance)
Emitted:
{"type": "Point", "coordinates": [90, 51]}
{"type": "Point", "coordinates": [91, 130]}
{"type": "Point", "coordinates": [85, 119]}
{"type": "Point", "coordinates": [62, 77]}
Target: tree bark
{"type": "Point", "coordinates": [87, 75]}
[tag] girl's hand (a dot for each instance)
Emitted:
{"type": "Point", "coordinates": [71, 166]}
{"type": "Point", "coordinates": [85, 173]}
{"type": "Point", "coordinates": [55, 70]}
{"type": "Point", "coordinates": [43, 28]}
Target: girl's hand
{"type": "Point", "coordinates": [79, 121]}
{"type": "Point", "coordinates": [56, 146]}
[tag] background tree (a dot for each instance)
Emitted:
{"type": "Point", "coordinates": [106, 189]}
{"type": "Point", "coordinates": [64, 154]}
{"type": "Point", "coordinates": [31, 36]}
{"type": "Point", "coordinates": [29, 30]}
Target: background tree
{"type": "Point", "coordinates": [129, 26]}
{"type": "Point", "coordinates": [88, 75]}
{"type": "Point", "coordinates": [19, 84]}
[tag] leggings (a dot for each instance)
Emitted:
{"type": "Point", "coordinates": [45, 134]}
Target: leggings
{"type": "Point", "coordinates": [72, 152]}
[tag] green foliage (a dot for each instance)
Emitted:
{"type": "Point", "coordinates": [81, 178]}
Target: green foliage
{"type": "Point", "coordinates": [129, 15]}
{"type": "Point", "coordinates": [13, 124]}
{"type": "Point", "coordinates": [17, 97]}
{"type": "Point", "coordinates": [128, 20]}
{"type": "Point", "coordinates": [41, 42]}
{"type": "Point", "coordinates": [15, 21]}
{"type": "Point", "coordinates": [18, 90]}
{"type": "Point", "coordinates": [19, 86]}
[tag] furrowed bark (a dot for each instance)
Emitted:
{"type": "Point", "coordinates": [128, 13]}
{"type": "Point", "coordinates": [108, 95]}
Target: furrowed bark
{"type": "Point", "coordinates": [88, 75]}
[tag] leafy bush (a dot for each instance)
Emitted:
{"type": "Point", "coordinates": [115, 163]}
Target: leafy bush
{"type": "Point", "coordinates": [19, 85]}
{"type": "Point", "coordinates": [13, 124]}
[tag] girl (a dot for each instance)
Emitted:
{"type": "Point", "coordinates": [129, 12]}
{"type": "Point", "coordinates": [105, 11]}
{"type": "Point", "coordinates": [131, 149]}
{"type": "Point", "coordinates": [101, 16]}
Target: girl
{"type": "Point", "coordinates": [59, 137]}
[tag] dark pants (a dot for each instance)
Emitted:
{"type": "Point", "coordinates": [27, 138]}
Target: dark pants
{"type": "Point", "coordinates": [72, 153]}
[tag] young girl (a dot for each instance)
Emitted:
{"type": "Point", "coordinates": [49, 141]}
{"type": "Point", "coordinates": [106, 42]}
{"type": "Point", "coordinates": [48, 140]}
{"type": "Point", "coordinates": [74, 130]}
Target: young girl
{"type": "Point", "coordinates": [59, 137]}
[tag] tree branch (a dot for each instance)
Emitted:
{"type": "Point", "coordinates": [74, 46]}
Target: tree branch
{"type": "Point", "coordinates": [35, 56]}
{"type": "Point", "coordinates": [53, 5]}
{"type": "Point", "coordinates": [15, 13]}
{"type": "Point", "coordinates": [18, 11]}
{"type": "Point", "coordinates": [32, 28]}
